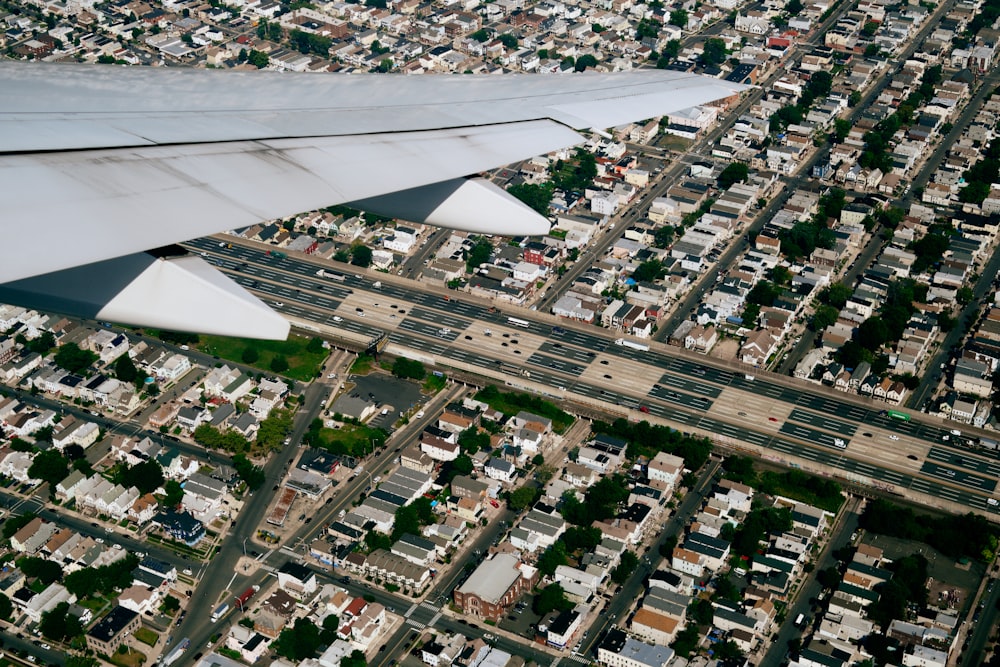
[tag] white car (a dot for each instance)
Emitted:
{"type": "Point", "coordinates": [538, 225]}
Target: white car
{"type": "Point", "coordinates": [894, 437]}
{"type": "Point", "coordinates": [420, 414]}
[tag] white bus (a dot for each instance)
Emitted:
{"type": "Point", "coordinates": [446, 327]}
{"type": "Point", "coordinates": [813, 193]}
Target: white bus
{"type": "Point", "coordinates": [513, 321]}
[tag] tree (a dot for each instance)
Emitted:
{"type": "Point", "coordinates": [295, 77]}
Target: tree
{"type": "Point", "coordinates": [42, 569]}
{"type": "Point", "coordinates": [279, 364]}
{"type": "Point", "coordinates": [626, 566]}
{"type": "Point", "coordinates": [481, 35]}
{"type": "Point", "coordinates": [258, 59]}
{"type": "Point", "coordinates": [552, 558]}
{"type": "Point", "coordinates": [6, 608]}
{"type": "Point", "coordinates": [585, 61]}
{"type": "Point", "coordinates": [355, 659]}
{"type": "Point", "coordinates": [250, 355]}
{"type": "Point", "coordinates": [649, 271]}
{"type": "Point", "coordinates": [551, 598]}
{"type": "Point", "coordinates": [173, 493]}
{"type": "Point", "coordinates": [330, 625]}
{"type": "Point", "coordinates": [508, 40]}
{"type": "Point", "coordinates": [315, 345]}
{"type": "Point", "coordinates": [41, 344]}
{"type": "Point", "coordinates": [125, 370]}
{"type": "Point", "coordinates": [735, 172]}
{"type": "Point", "coordinates": [536, 196]}
{"type": "Point", "coordinates": [252, 475]}
{"type": "Point", "coordinates": [482, 251]}
{"type": "Point", "coordinates": [71, 358]}
{"type": "Point", "coordinates": [49, 466]}
{"type": "Point", "coordinates": [823, 317]}
{"type": "Point", "coordinates": [299, 642]}
{"type": "Point", "coordinates": [361, 255]}
{"type": "Point", "coordinates": [713, 52]}
{"type": "Point", "coordinates": [521, 498]}
{"type": "Point", "coordinates": [679, 18]}
{"type": "Point", "coordinates": [408, 368]}
{"type": "Point", "coordinates": [793, 7]}
{"type": "Point", "coordinates": [146, 476]}
{"type": "Point", "coordinates": [58, 624]}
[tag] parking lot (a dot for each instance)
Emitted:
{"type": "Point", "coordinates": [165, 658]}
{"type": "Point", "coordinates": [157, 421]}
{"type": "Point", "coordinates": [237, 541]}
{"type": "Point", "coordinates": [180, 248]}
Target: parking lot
{"type": "Point", "coordinates": [388, 393]}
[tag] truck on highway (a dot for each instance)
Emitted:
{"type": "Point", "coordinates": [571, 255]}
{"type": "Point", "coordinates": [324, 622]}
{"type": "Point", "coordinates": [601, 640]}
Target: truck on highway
{"type": "Point", "coordinates": [246, 595]}
{"type": "Point", "coordinates": [623, 342]}
{"type": "Point", "coordinates": [220, 611]}
{"type": "Point", "coordinates": [901, 416]}
{"type": "Point", "coordinates": [839, 442]}
{"type": "Point", "coordinates": [276, 254]}
{"type": "Point", "coordinates": [175, 655]}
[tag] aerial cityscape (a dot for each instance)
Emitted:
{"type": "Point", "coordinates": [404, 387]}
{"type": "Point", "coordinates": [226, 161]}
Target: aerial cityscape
{"type": "Point", "coordinates": [735, 406]}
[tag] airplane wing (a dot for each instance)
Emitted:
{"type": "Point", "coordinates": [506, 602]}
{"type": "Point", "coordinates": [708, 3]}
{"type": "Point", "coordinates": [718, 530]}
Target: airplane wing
{"type": "Point", "coordinates": [101, 163]}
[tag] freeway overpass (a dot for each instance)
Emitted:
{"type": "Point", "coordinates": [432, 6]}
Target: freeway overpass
{"type": "Point", "coordinates": [777, 418]}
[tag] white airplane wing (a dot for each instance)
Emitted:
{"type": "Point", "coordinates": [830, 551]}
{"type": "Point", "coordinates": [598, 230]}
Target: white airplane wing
{"type": "Point", "coordinates": [100, 163]}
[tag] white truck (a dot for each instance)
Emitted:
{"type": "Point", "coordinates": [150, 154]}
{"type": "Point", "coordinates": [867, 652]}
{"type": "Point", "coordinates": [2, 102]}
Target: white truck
{"type": "Point", "coordinates": [623, 342]}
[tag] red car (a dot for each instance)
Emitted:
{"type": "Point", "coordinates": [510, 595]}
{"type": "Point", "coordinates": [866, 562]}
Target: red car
{"type": "Point", "coordinates": [643, 408]}
{"type": "Point", "coordinates": [772, 419]}
{"type": "Point", "coordinates": [494, 503]}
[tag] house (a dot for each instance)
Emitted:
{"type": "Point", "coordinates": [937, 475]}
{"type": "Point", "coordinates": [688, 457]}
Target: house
{"type": "Point", "coordinates": [501, 470]}
{"type": "Point", "coordinates": [494, 586]}
{"type": "Point", "coordinates": [108, 633]}
{"type": "Point", "coordinates": [298, 580]}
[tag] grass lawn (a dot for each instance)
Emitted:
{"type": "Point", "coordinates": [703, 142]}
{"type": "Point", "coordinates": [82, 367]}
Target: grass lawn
{"type": "Point", "coordinates": [146, 636]}
{"type": "Point", "coordinates": [131, 659]}
{"type": "Point", "coordinates": [350, 439]}
{"type": "Point", "coordinates": [302, 364]}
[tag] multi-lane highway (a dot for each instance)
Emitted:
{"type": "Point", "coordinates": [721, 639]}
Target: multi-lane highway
{"type": "Point", "coordinates": [778, 418]}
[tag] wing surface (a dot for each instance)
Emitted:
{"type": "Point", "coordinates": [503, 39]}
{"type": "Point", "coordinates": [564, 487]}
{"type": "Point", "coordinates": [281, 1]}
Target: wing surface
{"type": "Point", "coordinates": [113, 161]}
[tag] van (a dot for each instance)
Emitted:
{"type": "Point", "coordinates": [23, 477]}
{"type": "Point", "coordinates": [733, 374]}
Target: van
{"type": "Point", "coordinates": [800, 621]}
{"type": "Point", "coordinates": [992, 502]}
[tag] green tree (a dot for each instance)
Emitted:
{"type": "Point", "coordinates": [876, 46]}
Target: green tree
{"type": "Point", "coordinates": [274, 429]}
{"type": "Point", "coordinates": [626, 567]}
{"type": "Point", "coordinates": [823, 317]}
{"type": "Point", "coordinates": [49, 466]}
{"type": "Point", "coordinates": [299, 642]}
{"type": "Point", "coordinates": [71, 358]}
{"type": "Point", "coordinates": [735, 172]}
{"type": "Point", "coordinates": [482, 251]}
{"type": "Point", "coordinates": [552, 558]}
{"type": "Point", "coordinates": [361, 255]}
{"type": "Point", "coordinates": [252, 475]}
{"type": "Point", "coordinates": [146, 476]}
{"type": "Point", "coordinates": [537, 196]}
{"type": "Point", "coordinates": [42, 344]}
{"type": "Point", "coordinates": [173, 493]}
{"type": "Point", "coordinates": [713, 52]}
{"type": "Point", "coordinates": [408, 368]}
{"type": "Point", "coordinates": [315, 345]}
{"type": "Point", "coordinates": [355, 659]}
{"type": "Point", "coordinates": [585, 61]}
{"type": "Point", "coordinates": [125, 370]}
{"type": "Point", "coordinates": [522, 498]}
{"type": "Point", "coordinates": [279, 364]}
{"type": "Point", "coordinates": [649, 271]}
{"type": "Point", "coordinates": [679, 18]}
{"type": "Point", "coordinates": [250, 355]}
{"type": "Point", "coordinates": [508, 40]}
{"type": "Point", "coordinates": [44, 570]}
{"type": "Point", "coordinates": [258, 59]}
{"type": "Point", "coordinates": [6, 608]}
{"type": "Point", "coordinates": [482, 35]}
{"type": "Point", "coordinates": [551, 598]}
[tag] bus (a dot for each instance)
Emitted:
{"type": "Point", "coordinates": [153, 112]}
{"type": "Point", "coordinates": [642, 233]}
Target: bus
{"type": "Point", "coordinates": [524, 324]}
{"type": "Point", "coordinates": [901, 416]}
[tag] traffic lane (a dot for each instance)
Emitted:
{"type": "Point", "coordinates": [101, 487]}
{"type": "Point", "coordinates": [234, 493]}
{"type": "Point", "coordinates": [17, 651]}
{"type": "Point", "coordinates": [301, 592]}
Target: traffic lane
{"type": "Point", "coordinates": [692, 386]}
{"type": "Point", "coordinates": [958, 476]}
{"type": "Point", "coordinates": [812, 435]}
{"type": "Point", "coordinates": [438, 318]}
{"type": "Point", "coordinates": [844, 429]}
{"type": "Point", "coordinates": [572, 353]}
{"type": "Point", "coordinates": [964, 460]}
{"type": "Point", "coordinates": [682, 399]}
{"type": "Point", "coordinates": [554, 363]}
